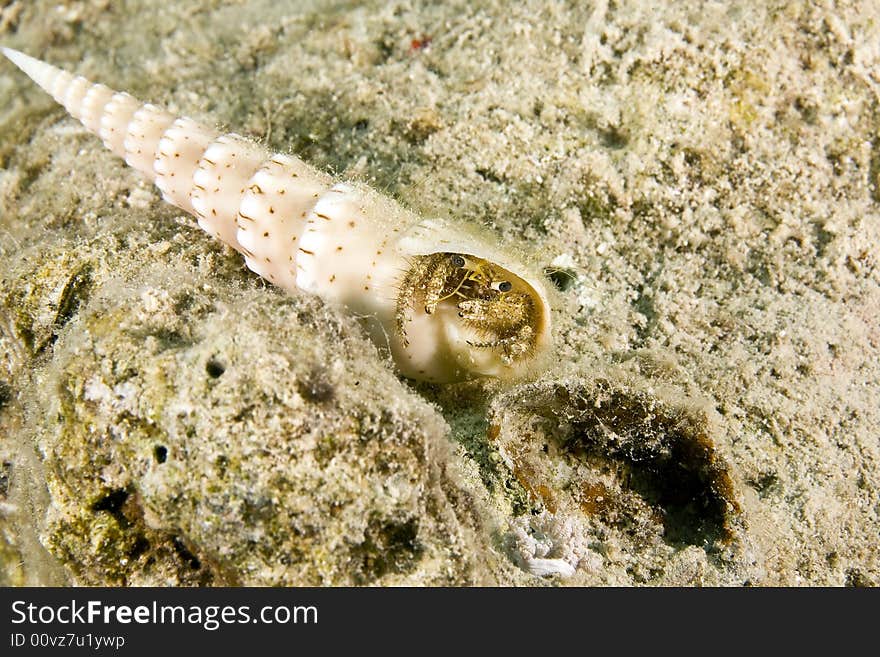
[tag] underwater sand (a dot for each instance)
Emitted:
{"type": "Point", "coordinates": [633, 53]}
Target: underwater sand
{"type": "Point", "coordinates": [702, 182]}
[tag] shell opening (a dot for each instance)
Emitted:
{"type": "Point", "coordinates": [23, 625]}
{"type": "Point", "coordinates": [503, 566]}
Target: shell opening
{"type": "Point", "coordinates": [459, 316]}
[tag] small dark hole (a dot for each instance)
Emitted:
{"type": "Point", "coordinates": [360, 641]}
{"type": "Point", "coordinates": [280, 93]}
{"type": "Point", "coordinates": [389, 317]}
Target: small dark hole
{"type": "Point", "coordinates": [5, 473]}
{"type": "Point", "coordinates": [5, 394]}
{"type": "Point", "coordinates": [185, 554]}
{"type": "Point", "coordinates": [140, 546]}
{"type": "Point", "coordinates": [160, 452]}
{"type": "Point", "coordinates": [562, 279]}
{"type": "Point", "coordinates": [316, 386]}
{"type": "Point", "coordinates": [614, 137]}
{"type": "Point", "coordinates": [112, 501]}
{"type": "Point", "coordinates": [214, 369]}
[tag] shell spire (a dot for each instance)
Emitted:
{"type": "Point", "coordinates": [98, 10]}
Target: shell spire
{"type": "Point", "coordinates": [446, 302]}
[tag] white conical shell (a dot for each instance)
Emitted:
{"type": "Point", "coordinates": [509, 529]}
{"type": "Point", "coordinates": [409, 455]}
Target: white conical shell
{"type": "Point", "coordinates": [296, 228]}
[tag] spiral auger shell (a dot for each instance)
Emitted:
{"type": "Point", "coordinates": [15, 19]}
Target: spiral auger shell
{"type": "Point", "coordinates": [446, 302]}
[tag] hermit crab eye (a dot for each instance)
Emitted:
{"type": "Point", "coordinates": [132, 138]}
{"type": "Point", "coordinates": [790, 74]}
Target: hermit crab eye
{"type": "Point", "coordinates": [458, 261]}
{"type": "Point", "coordinates": [501, 286]}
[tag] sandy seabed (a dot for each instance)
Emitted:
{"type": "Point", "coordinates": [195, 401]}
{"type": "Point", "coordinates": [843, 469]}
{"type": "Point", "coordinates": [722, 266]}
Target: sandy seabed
{"type": "Point", "coordinates": [701, 180]}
